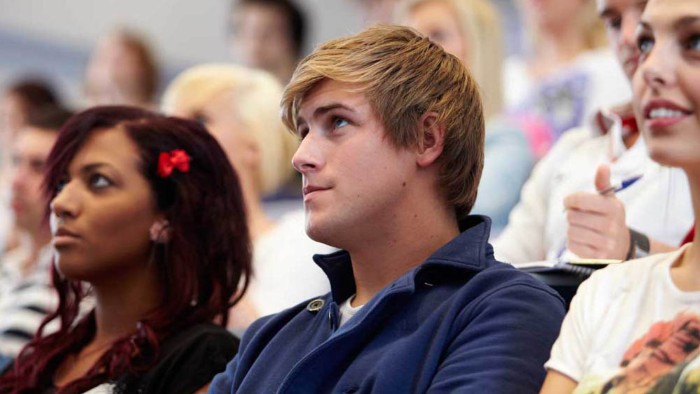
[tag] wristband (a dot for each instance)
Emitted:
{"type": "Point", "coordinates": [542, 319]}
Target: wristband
{"type": "Point", "coordinates": [639, 245]}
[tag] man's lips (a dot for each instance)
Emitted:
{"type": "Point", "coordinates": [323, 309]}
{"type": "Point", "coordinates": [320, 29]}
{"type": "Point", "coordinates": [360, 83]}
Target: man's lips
{"type": "Point", "coordinates": [311, 188]}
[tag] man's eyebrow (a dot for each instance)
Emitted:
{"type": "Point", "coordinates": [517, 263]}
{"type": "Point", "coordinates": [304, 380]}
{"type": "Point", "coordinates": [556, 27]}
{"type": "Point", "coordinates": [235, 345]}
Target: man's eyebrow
{"type": "Point", "coordinates": [685, 21]}
{"type": "Point", "coordinates": [607, 13]}
{"type": "Point", "coordinates": [323, 110]}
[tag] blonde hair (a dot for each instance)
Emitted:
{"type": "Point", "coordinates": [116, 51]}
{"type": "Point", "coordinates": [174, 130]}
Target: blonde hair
{"type": "Point", "coordinates": [257, 106]}
{"type": "Point", "coordinates": [480, 28]}
{"type": "Point", "coordinates": [404, 75]}
{"type": "Point", "coordinates": [593, 28]}
{"type": "Point", "coordinates": [589, 25]}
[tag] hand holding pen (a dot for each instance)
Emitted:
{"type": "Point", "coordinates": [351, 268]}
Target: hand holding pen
{"type": "Point", "coordinates": [596, 225]}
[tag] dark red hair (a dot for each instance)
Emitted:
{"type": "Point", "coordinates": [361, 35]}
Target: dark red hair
{"type": "Point", "coordinates": [208, 256]}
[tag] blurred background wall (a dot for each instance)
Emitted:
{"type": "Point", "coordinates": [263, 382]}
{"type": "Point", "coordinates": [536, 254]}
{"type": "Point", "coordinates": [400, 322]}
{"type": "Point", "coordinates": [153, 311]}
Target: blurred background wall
{"type": "Point", "coordinates": [53, 39]}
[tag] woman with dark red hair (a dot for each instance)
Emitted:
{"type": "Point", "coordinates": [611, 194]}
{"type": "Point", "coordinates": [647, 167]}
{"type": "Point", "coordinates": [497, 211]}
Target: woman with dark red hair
{"type": "Point", "coordinates": [151, 243]}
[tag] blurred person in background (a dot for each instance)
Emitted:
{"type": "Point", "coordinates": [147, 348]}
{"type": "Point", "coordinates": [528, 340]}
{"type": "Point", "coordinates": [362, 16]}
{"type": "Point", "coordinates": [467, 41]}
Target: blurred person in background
{"type": "Point", "coordinates": [26, 296]}
{"type": "Point", "coordinates": [268, 35]}
{"type": "Point", "coordinates": [566, 73]}
{"type": "Point", "coordinates": [122, 70]}
{"type": "Point", "coordinates": [635, 328]}
{"type": "Point", "coordinates": [240, 107]}
{"type": "Point", "coordinates": [377, 11]}
{"type": "Point", "coordinates": [19, 101]}
{"type": "Point", "coordinates": [575, 205]}
{"type": "Point", "coordinates": [471, 31]}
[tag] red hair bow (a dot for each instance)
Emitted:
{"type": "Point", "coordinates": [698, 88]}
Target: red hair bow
{"type": "Point", "coordinates": [168, 161]}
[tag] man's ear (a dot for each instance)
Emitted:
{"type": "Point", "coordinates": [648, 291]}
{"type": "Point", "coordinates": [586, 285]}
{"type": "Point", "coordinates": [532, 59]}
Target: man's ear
{"type": "Point", "coordinates": [432, 139]}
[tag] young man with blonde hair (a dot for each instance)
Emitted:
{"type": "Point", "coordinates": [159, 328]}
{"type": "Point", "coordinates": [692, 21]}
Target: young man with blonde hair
{"type": "Point", "coordinates": [391, 152]}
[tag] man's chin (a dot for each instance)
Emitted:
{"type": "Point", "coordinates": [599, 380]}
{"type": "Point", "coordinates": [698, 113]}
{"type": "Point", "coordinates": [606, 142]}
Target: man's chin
{"type": "Point", "coordinates": [319, 233]}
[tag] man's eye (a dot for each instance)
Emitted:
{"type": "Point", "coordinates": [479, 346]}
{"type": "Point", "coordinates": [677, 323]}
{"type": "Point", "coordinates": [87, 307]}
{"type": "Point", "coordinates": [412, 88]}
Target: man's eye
{"type": "Point", "coordinates": [693, 43]}
{"type": "Point", "coordinates": [37, 166]}
{"type": "Point", "coordinates": [339, 122]}
{"type": "Point", "coordinates": [614, 23]}
{"type": "Point", "coordinates": [201, 119]}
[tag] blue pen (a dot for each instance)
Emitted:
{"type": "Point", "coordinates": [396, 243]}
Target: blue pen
{"type": "Point", "coordinates": [622, 186]}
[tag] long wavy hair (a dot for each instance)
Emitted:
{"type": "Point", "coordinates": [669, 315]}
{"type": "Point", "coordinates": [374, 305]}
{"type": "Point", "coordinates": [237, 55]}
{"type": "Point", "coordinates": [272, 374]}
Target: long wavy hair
{"type": "Point", "coordinates": [203, 269]}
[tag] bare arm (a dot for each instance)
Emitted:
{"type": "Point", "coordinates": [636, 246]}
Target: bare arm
{"type": "Point", "coordinates": [557, 383]}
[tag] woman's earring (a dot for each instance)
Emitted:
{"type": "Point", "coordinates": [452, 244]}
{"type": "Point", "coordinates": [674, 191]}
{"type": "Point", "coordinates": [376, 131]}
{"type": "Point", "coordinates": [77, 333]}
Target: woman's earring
{"type": "Point", "coordinates": [160, 232]}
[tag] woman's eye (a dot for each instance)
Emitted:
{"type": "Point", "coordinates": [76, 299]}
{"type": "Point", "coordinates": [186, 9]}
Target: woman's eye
{"type": "Point", "coordinates": [645, 44]}
{"type": "Point", "coordinates": [98, 181]}
{"type": "Point", "coordinates": [60, 185]}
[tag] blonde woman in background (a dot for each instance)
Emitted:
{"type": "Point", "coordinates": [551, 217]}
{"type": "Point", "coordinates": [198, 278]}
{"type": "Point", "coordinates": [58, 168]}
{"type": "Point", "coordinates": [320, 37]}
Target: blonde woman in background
{"type": "Point", "coordinates": [468, 29]}
{"type": "Point", "coordinates": [240, 107]}
{"type": "Point", "coordinates": [471, 31]}
{"type": "Point", "coordinates": [566, 73]}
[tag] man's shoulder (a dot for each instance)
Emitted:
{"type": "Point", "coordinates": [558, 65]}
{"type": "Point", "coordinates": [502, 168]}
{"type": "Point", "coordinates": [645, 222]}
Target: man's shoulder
{"type": "Point", "coordinates": [501, 280]}
{"type": "Point", "coordinates": [484, 285]}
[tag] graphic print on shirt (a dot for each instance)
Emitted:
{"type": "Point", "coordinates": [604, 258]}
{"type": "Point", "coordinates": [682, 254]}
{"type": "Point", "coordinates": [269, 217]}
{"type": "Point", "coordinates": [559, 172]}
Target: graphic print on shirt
{"type": "Point", "coordinates": [664, 360]}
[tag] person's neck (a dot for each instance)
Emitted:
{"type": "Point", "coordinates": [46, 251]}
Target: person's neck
{"type": "Point", "coordinates": [258, 221]}
{"type": "Point", "coordinates": [556, 49]}
{"type": "Point", "coordinates": [688, 271]}
{"type": "Point", "coordinates": [630, 138]}
{"type": "Point", "coordinates": [123, 300]}
{"type": "Point", "coordinates": [283, 71]}
{"type": "Point", "coordinates": [38, 238]}
{"type": "Point", "coordinates": [630, 135]}
{"type": "Point", "coordinates": [396, 246]}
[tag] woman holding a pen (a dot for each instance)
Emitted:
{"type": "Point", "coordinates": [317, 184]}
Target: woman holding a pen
{"type": "Point", "coordinates": [635, 327]}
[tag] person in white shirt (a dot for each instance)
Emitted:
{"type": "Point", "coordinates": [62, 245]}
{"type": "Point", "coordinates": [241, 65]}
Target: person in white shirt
{"type": "Point", "coordinates": [26, 295]}
{"type": "Point", "coordinates": [636, 327]}
{"type": "Point", "coordinates": [562, 214]}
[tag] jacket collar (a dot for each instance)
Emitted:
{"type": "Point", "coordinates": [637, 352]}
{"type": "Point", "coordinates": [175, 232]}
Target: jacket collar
{"type": "Point", "coordinates": [469, 250]}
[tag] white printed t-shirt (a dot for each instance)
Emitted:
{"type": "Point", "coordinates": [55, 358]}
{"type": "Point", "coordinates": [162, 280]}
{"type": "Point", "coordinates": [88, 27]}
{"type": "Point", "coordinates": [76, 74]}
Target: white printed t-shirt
{"type": "Point", "coordinates": [630, 329]}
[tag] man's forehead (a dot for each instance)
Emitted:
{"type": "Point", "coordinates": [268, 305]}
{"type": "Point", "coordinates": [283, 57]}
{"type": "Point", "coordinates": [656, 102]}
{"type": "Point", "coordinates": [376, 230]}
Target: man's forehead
{"type": "Point", "coordinates": [330, 93]}
{"type": "Point", "coordinates": [605, 6]}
